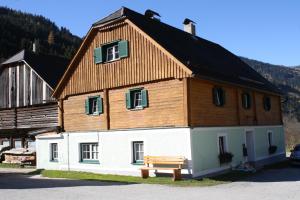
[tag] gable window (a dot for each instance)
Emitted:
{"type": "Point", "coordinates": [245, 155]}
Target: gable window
{"type": "Point", "coordinates": [222, 144]}
{"type": "Point", "coordinates": [136, 98]}
{"type": "Point", "coordinates": [246, 100]}
{"type": "Point", "coordinates": [111, 51]}
{"type": "Point", "coordinates": [94, 105]}
{"type": "Point", "coordinates": [53, 152]}
{"type": "Point", "coordinates": [138, 152]}
{"type": "Point", "coordinates": [219, 96]}
{"type": "Point", "coordinates": [89, 152]}
{"type": "Point", "coordinates": [267, 103]}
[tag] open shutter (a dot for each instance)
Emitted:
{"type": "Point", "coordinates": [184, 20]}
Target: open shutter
{"type": "Point", "coordinates": [87, 107]}
{"type": "Point", "coordinates": [100, 105]}
{"type": "Point", "coordinates": [123, 48]}
{"type": "Point", "coordinates": [223, 97]}
{"type": "Point", "coordinates": [128, 100]}
{"type": "Point", "coordinates": [144, 98]}
{"type": "Point", "coordinates": [214, 96]}
{"type": "Point", "coordinates": [98, 55]}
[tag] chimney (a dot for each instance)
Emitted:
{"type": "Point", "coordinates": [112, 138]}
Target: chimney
{"type": "Point", "coordinates": [152, 15]}
{"type": "Point", "coordinates": [189, 26]}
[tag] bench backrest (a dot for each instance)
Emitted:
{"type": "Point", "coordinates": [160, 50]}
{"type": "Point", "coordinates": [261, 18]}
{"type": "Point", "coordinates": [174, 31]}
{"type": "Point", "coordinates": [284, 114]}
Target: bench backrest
{"type": "Point", "coordinates": [164, 160]}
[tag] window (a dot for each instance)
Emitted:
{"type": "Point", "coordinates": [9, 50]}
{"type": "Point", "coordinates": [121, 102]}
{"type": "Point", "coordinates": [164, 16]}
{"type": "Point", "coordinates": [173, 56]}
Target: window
{"type": "Point", "coordinates": [54, 152]}
{"type": "Point", "coordinates": [222, 144]}
{"type": "Point", "coordinates": [18, 144]}
{"type": "Point", "coordinates": [31, 144]}
{"type": "Point", "coordinates": [267, 103]}
{"type": "Point", "coordinates": [111, 51]}
{"type": "Point", "coordinates": [89, 152]}
{"type": "Point", "coordinates": [138, 152]}
{"type": "Point", "coordinates": [94, 105]}
{"type": "Point", "coordinates": [136, 98]}
{"type": "Point", "coordinates": [270, 138]}
{"type": "Point", "coordinates": [246, 100]}
{"type": "Point", "coordinates": [6, 143]}
{"type": "Point", "coordinates": [218, 96]}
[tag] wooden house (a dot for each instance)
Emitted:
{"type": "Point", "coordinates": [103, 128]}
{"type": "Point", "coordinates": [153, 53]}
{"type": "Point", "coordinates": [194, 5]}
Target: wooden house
{"type": "Point", "coordinates": [138, 87]}
{"type": "Point", "coordinates": [27, 81]}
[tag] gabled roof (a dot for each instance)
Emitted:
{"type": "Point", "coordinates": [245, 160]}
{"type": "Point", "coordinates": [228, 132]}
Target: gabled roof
{"type": "Point", "coordinates": [204, 58]}
{"type": "Point", "coordinates": [50, 68]}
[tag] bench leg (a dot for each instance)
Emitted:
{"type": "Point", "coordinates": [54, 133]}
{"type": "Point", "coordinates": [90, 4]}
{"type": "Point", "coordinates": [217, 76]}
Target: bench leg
{"type": "Point", "coordinates": [176, 174]}
{"type": "Point", "coordinates": [145, 173]}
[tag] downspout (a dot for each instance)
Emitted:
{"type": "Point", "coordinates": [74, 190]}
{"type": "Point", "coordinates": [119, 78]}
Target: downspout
{"type": "Point", "coordinates": [68, 146]}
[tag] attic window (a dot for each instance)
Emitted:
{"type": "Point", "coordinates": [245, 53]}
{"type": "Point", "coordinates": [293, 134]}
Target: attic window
{"type": "Point", "coordinates": [111, 51]}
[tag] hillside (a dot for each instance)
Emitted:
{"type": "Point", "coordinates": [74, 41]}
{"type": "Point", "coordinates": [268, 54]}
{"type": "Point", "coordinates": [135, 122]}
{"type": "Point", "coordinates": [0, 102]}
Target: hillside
{"type": "Point", "coordinates": [19, 30]}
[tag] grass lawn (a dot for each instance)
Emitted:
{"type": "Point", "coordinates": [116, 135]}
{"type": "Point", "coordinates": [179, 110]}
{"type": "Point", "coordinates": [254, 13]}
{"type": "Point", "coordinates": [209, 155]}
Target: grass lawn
{"type": "Point", "coordinates": [227, 178]}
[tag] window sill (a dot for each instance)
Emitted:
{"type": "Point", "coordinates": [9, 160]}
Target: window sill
{"type": "Point", "coordinates": [137, 163]}
{"type": "Point", "coordinates": [137, 109]}
{"type": "Point", "coordinates": [89, 162]}
{"type": "Point", "coordinates": [111, 60]}
{"type": "Point", "coordinates": [54, 161]}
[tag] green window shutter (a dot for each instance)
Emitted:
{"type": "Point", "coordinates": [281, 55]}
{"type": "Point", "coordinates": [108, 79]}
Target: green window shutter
{"type": "Point", "coordinates": [98, 55]}
{"type": "Point", "coordinates": [144, 98]}
{"type": "Point", "coordinates": [100, 105]}
{"type": "Point", "coordinates": [128, 100]}
{"type": "Point", "coordinates": [87, 107]}
{"type": "Point", "coordinates": [123, 48]}
{"type": "Point", "coordinates": [224, 97]}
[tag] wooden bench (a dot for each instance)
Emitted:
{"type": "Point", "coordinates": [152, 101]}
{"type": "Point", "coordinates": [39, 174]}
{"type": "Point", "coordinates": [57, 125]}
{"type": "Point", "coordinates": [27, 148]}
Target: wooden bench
{"type": "Point", "coordinates": [165, 162]}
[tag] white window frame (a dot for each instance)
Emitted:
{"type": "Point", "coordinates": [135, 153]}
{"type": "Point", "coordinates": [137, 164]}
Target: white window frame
{"type": "Point", "coordinates": [270, 139]}
{"type": "Point", "coordinates": [115, 53]}
{"type": "Point", "coordinates": [137, 98]}
{"type": "Point", "coordinates": [93, 155]}
{"type": "Point", "coordinates": [226, 150]}
{"type": "Point", "coordinates": [54, 152]}
{"type": "Point", "coordinates": [94, 105]}
{"type": "Point", "coordinates": [139, 151]}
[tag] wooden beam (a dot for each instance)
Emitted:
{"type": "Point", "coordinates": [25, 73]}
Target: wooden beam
{"type": "Point", "coordinates": [106, 108]}
{"type": "Point", "coordinates": [238, 106]}
{"type": "Point", "coordinates": [186, 101]}
{"type": "Point", "coordinates": [255, 108]}
{"type": "Point", "coordinates": [61, 114]}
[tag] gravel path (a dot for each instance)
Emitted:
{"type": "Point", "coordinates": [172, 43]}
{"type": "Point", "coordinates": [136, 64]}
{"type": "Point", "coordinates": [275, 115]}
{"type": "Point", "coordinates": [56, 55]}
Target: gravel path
{"type": "Point", "coordinates": [281, 184]}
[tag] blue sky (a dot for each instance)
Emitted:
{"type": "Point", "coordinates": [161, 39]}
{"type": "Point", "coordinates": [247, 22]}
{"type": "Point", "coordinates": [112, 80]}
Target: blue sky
{"type": "Point", "coordinates": [266, 30]}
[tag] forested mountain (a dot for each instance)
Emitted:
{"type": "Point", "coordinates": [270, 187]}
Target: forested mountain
{"type": "Point", "coordinates": [20, 30]}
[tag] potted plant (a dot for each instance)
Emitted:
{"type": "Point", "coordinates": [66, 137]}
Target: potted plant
{"type": "Point", "coordinates": [272, 149]}
{"type": "Point", "coordinates": [225, 157]}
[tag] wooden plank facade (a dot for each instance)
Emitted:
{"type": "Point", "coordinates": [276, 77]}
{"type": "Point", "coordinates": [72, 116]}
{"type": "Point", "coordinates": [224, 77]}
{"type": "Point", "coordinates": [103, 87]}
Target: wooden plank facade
{"type": "Point", "coordinates": [176, 98]}
{"type": "Point", "coordinates": [32, 117]}
{"type": "Point", "coordinates": [22, 86]}
{"type": "Point", "coordinates": [146, 62]}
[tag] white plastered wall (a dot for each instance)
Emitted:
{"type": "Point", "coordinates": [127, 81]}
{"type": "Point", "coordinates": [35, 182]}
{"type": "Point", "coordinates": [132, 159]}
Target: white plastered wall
{"type": "Point", "coordinates": [115, 149]}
